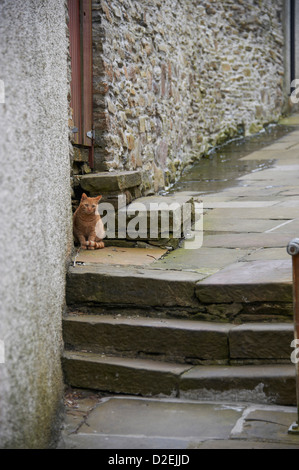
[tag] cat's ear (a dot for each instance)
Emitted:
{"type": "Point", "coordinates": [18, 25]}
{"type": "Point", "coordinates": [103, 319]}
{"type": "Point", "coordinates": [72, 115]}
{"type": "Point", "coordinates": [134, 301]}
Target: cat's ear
{"type": "Point", "coordinates": [83, 197]}
{"type": "Point", "coordinates": [98, 198]}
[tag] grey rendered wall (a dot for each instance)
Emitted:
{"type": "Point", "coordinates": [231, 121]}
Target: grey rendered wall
{"type": "Point", "coordinates": [35, 234]}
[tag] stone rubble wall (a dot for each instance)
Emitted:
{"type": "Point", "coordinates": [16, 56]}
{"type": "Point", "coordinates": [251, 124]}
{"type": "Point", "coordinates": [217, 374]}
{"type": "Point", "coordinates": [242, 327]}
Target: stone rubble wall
{"type": "Point", "coordinates": [174, 78]}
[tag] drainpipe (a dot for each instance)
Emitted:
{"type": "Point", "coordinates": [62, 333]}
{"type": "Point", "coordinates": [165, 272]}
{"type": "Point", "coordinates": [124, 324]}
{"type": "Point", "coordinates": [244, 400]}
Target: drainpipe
{"type": "Point", "coordinates": [293, 250]}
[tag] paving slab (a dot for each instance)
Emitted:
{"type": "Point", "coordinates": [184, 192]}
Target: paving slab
{"type": "Point", "coordinates": [288, 202]}
{"type": "Point", "coordinates": [231, 224]}
{"type": "Point", "coordinates": [273, 175]}
{"type": "Point", "coordinates": [153, 424]}
{"type": "Point", "coordinates": [290, 227]}
{"type": "Point", "coordinates": [263, 254]}
{"type": "Point", "coordinates": [262, 190]}
{"type": "Point", "coordinates": [290, 192]}
{"type": "Point", "coordinates": [292, 136]}
{"type": "Point", "coordinates": [272, 213]}
{"type": "Point", "coordinates": [271, 155]}
{"type": "Point", "coordinates": [209, 201]}
{"type": "Point", "coordinates": [290, 158]}
{"type": "Point", "coordinates": [237, 204]}
{"type": "Point", "coordinates": [120, 256]}
{"type": "Point", "coordinates": [281, 145]}
{"type": "Point", "coordinates": [246, 444]}
{"type": "Point", "coordinates": [208, 259]}
{"type": "Point", "coordinates": [170, 419]}
{"type": "Point", "coordinates": [249, 282]}
{"type": "Point", "coordinates": [280, 166]}
{"type": "Point", "coordinates": [267, 424]}
{"type": "Point", "coordinates": [118, 442]}
{"type": "Point", "coordinates": [248, 240]}
{"type": "Point", "coordinates": [120, 422]}
{"type": "Point", "coordinates": [295, 147]}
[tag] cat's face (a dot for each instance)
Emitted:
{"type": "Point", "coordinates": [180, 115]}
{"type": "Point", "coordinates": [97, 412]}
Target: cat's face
{"type": "Point", "coordinates": [89, 205]}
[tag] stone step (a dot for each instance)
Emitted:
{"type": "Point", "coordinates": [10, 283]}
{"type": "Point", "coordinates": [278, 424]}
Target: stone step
{"type": "Point", "coordinates": [121, 375]}
{"type": "Point", "coordinates": [116, 187]}
{"type": "Point", "coordinates": [160, 220]}
{"type": "Point", "coordinates": [249, 282]}
{"type": "Point", "coordinates": [259, 384]}
{"type": "Point", "coordinates": [180, 341]}
{"type": "Point", "coordinates": [104, 182]}
{"type": "Point", "coordinates": [179, 293]}
{"type": "Point", "coordinates": [253, 383]}
{"type": "Point", "coordinates": [164, 220]}
{"type": "Point", "coordinates": [129, 286]}
{"type": "Point", "coordinates": [174, 209]}
{"type": "Point", "coordinates": [172, 340]}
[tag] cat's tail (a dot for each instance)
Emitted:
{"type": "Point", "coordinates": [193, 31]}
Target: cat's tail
{"type": "Point", "coordinates": [91, 245]}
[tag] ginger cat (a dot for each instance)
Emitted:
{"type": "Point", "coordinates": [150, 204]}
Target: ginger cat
{"type": "Point", "coordinates": [88, 227]}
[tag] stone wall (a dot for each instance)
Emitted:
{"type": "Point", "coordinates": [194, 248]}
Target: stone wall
{"type": "Point", "coordinates": [173, 78]}
{"type": "Point", "coordinates": [35, 214]}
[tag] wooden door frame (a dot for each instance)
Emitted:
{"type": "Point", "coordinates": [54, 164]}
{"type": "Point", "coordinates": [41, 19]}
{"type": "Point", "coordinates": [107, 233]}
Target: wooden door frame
{"type": "Point", "coordinates": [80, 30]}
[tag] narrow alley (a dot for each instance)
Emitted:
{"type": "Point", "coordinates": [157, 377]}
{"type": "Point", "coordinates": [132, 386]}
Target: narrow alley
{"type": "Point", "coordinates": [228, 385]}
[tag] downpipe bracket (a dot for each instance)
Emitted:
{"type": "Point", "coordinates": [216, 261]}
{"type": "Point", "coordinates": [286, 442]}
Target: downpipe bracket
{"type": "Point", "coordinates": [293, 247]}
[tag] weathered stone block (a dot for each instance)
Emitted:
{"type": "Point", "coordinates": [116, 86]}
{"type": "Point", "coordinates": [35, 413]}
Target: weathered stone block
{"type": "Point", "coordinates": [81, 154]}
{"type": "Point", "coordinates": [261, 341]}
{"type": "Point", "coordinates": [131, 286]}
{"type": "Point", "coordinates": [171, 340]}
{"type": "Point", "coordinates": [165, 213]}
{"type": "Point", "coordinates": [245, 282]}
{"type": "Point", "coordinates": [260, 384]}
{"type": "Point", "coordinates": [120, 375]}
{"type": "Point", "coordinates": [244, 293]}
{"type": "Point", "coordinates": [97, 183]}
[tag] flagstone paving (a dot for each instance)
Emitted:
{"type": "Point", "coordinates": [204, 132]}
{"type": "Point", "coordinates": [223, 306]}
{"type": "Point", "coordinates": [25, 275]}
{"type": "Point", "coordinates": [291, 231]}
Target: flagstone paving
{"type": "Point", "coordinates": [246, 228]}
{"type": "Point", "coordinates": [94, 421]}
{"type": "Point", "coordinates": [240, 274]}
